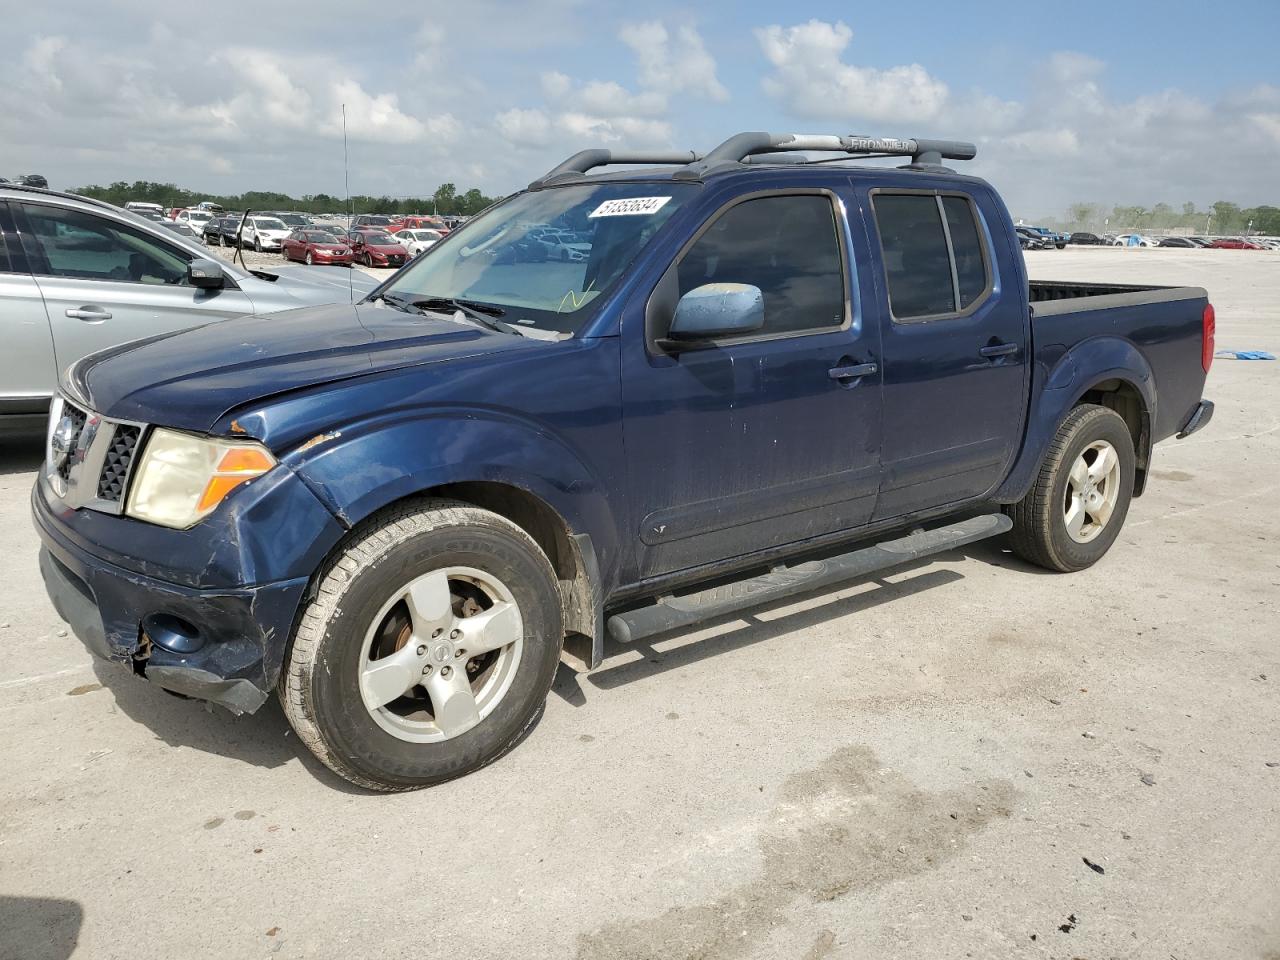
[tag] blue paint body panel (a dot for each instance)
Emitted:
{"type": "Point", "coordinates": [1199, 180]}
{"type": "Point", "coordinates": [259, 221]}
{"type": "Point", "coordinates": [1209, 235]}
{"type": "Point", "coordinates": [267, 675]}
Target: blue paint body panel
{"type": "Point", "coordinates": [672, 467]}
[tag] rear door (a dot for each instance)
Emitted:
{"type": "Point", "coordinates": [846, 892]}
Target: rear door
{"type": "Point", "coordinates": [759, 440]}
{"type": "Point", "coordinates": [28, 372]}
{"type": "Point", "coordinates": [105, 282]}
{"type": "Point", "coordinates": [955, 364]}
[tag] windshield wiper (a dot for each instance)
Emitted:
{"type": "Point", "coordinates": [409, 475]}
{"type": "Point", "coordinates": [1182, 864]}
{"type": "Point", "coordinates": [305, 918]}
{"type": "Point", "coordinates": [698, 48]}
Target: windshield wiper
{"type": "Point", "coordinates": [482, 313]}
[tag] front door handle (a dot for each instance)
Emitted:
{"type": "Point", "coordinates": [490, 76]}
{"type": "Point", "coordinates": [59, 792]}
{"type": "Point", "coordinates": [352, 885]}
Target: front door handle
{"type": "Point", "coordinates": [999, 350]}
{"type": "Point", "coordinates": [852, 371]}
{"type": "Point", "coordinates": [88, 312]}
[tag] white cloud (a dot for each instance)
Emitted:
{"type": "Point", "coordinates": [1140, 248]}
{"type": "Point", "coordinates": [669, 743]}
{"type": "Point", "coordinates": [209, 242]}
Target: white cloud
{"type": "Point", "coordinates": [667, 64]}
{"type": "Point", "coordinates": [607, 112]}
{"type": "Point", "coordinates": [524, 127]}
{"type": "Point", "coordinates": [810, 78]}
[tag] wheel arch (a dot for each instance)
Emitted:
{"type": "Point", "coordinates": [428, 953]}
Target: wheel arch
{"type": "Point", "coordinates": [528, 478]}
{"type": "Point", "coordinates": [1109, 371]}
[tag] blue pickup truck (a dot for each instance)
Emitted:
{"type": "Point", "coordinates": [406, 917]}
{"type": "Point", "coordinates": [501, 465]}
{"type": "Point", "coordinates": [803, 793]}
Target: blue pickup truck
{"type": "Point", "coordinates": [768, 373]}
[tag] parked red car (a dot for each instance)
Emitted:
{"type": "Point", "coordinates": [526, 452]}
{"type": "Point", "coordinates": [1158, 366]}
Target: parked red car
{"type": "Point", "coordinates": [316, 246]}
{"type": "Point", "coordinates": [1235, 243]}
{"type": "Point", "coordinates": [376, 248]}
{"type": "Point", "coordinates": [418, 222]}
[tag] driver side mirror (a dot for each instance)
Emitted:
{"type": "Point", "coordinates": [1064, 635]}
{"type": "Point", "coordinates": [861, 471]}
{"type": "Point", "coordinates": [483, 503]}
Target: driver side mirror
{"type": "Point", "coordinates": [716, 310]}
{"type": "Point", "coordinates": [206, 274]}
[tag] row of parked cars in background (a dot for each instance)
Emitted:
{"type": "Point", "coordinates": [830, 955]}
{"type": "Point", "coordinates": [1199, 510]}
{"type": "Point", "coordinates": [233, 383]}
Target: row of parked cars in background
{"type": "Point", "coordinates": [1042, 238]}
{"type": "Point", "coordinates": [372, 239]}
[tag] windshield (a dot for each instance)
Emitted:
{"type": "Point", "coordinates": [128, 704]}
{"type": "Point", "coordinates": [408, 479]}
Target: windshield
{"type": "Point", "coordinates": [319, 236]}
{"type": "Point", "coordinates": [294, 220]}
{"type": "Point", "coordinates": [268, 223]}
{"type": "Point", "coordinates": [380, 239]}
{"type": "Point", "coordinates": [506, 258]}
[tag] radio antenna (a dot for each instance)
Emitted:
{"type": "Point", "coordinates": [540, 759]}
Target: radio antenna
{"type": "Point", "coordinates": [346, 186]}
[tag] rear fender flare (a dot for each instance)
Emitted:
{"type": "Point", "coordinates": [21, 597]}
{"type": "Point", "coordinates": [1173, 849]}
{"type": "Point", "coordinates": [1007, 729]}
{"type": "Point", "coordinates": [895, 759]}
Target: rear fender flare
{"type": "Point", "coordinates": [1059, 389]}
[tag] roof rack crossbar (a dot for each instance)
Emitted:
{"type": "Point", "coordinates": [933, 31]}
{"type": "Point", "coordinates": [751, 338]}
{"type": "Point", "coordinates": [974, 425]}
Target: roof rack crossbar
{"type": "Point", "coordinates": [585, 160]}
{"type": "Point", "coordinates": [741, 147]}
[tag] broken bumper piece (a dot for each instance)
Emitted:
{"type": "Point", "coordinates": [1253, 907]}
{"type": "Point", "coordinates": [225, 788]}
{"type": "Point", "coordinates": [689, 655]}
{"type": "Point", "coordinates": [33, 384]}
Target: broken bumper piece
{"type": "Point", "coordinates": [224, 646]}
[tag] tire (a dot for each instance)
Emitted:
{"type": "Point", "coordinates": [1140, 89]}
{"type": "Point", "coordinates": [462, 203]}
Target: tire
{"type": "Point", "coordinates": [257, 244]}
{"type": "Point", "coordinates": [401, 745]}
{"type": "Point", "coordinates": [1042, 519]}
{"type": "Point", "coordinates": [310, 259]}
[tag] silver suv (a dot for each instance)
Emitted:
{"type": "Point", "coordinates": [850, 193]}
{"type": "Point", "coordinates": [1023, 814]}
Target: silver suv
{"type": "Point", "coordinates": [78, 276]}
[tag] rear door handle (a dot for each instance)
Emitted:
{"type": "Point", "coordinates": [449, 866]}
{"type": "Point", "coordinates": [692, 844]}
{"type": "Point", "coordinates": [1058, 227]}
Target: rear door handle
{"type": "Point", "coordinates": [89, 313]}
{"type": "Point", "coordinates": [999, 350]}
{"type": "Point", "coordinates": [852, 371]}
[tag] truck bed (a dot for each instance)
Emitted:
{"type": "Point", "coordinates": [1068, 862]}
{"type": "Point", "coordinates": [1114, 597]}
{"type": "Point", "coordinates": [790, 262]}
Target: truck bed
{"type": "Point", "coordinates": [1056, 296]}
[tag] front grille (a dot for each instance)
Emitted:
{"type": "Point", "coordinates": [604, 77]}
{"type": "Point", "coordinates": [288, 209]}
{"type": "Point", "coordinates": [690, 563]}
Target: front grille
{"type": "Point", "coordinates": [115, 468]}
{"type": "Point", "coordinates": [78, 418]}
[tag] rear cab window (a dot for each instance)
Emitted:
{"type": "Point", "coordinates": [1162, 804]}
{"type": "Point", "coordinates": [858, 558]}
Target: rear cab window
{"type": "Point", "coordinates": [935, 255]}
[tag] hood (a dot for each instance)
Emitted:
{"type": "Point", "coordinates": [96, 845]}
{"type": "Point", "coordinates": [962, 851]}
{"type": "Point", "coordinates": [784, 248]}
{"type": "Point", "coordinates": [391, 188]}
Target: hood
{"type": "Point", "coordinates": [312, 285]}
{"type": "Point", "coordinates": [190, 380]}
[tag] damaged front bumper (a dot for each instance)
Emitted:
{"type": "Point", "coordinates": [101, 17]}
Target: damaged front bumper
{"type": "Point", "coordinates": [219, 653]}
{"type": "Point", "coordinates": [189, 624]}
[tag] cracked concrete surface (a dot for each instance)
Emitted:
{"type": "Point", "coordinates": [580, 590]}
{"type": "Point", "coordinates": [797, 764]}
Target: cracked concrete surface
{"type": "Point", "coordinates": [780, 785]}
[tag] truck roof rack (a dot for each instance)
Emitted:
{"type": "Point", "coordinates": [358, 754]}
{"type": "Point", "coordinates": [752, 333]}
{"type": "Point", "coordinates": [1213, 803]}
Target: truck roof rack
{"type": "Point", "coordinates": [585, 160]}
{"type": "Point", "coordinates": [743, 147]}
{"type": "Point", "coordinates": [759, 147]}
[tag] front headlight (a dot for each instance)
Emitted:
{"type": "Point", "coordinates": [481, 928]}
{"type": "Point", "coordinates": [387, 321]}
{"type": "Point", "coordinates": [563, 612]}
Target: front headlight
{"type": "Point", "coordinates": [182, 478]}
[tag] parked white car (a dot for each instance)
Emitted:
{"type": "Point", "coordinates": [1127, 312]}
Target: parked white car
{"type": "Point", "coordinates": [1135, 240]}
{"type": "Point", "coordinates": [195, 219]}
{"type": "Point", "coordinates": [415, 241]}
{"type": "Point", "coordinates": [264, 233]}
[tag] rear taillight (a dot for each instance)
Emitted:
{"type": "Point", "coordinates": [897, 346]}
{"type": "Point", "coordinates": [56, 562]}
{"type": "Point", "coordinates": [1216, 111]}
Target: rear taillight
{"type": "Point", "coordinates": [1210, 327]}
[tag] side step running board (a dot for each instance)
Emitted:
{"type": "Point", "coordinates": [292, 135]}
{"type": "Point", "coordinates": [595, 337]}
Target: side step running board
{"type": "Point", "coordinates": [672, 613]}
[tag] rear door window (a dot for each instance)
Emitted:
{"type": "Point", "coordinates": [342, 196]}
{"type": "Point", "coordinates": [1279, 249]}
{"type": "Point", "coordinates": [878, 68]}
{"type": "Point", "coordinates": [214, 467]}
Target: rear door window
{"type": "Point", "coordinates": [935, 258]}
{"type": "Point", "coordinates": [967, 248]}
{"type": "Point", "coordinates": [785, 245]}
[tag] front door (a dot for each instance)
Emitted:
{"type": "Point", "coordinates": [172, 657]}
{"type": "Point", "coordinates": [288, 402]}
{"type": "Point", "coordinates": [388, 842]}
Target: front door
{"type": "Point", "coordinates": [955, 369]}
{"type": "Point", "coordinates": [761, 440]}
{"type": "Point", "coordinates": [105, 283]}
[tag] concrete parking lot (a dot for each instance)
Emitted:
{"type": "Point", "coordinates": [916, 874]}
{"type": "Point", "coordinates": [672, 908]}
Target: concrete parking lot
{"type": "Point", "coordinates": [969, 757]}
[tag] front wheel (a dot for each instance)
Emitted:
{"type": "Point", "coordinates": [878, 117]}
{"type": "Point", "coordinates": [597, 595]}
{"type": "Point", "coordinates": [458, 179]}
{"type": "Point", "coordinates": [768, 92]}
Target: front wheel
{"type": "Point", "coordinates": [1077, 505]}
{"type": "Point", "coordinates": [429, 647]}
{"type": "Point", "coordinates": [310, 259]}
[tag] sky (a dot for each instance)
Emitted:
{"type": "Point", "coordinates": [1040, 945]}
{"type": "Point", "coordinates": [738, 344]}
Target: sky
{"type": "Point", "coordinates": [1116, 102]}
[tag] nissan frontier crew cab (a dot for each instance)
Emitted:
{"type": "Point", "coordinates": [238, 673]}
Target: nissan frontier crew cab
{"type": "Point", "coordinates": [767, 373]}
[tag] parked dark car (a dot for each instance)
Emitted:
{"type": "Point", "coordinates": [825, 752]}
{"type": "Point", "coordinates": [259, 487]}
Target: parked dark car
{"type": "Point", "coordinates": [1087, 240]}
{"type": "Point", "coordinates": [377, 248]}
{"type": "Point", "coordinates": [1056, 240]}
{"type": "Point", "coordinates": [1182, 242]}
{"type": "Point", "coordinates": [1029, 239]}
{"type": "Point", "coordinates": [400, 514]}
{"type": "Point", "coordinates": [316, 246]}
{"type": "Point", "coordinates": [229, 229]}
{"type": "Point", "coordinates": [31, 180]}
{"type": "Point", "coordinates": [211, 232]}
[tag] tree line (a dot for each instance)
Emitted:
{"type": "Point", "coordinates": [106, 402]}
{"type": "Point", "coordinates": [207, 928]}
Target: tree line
{"type": "Point", "coordinates": [445, 201]}
{"type": "Point", "coordinates": [1222, 218]}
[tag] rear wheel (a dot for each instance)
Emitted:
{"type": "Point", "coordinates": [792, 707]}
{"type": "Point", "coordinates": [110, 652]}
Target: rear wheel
{"type": "Point", "coordinates": [310, 259]}
{"type": "Point", "coordinates": [428, 650]}
{"type": "Point", "coordinates": [1074, 511]}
